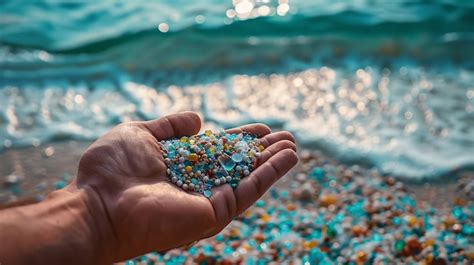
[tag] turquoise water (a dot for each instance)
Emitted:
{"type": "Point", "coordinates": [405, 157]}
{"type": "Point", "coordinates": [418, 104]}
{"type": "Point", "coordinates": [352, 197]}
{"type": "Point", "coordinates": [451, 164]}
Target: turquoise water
{"type": "Point", "coordinates": [389, 84]}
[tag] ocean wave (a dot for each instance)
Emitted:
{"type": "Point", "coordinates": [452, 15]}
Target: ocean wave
{"type": "Point", "coordinates": [126, 35]}
{"type": "Point", "coordinates": [383, 84]}
{"type": "Point", "coordinates": [408, 121]}
{"type": "Point", "coordinates": [95, 27]}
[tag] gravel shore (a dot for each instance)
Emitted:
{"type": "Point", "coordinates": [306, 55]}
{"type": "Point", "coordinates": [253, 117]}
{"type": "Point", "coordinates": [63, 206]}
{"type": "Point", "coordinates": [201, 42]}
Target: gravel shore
{"type": "Point", "coordinates": [312, 211]}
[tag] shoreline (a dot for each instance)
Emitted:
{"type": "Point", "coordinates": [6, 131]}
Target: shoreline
{"type": "Point", "coordinates": [40, 170]}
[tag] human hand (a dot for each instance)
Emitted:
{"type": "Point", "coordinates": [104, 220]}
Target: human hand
{"type": "Point", "coordinates": [125, 169]}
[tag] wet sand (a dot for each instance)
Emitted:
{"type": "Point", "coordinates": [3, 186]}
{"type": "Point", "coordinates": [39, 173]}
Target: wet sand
{"type": "Point", "coordinates": [42, 169]}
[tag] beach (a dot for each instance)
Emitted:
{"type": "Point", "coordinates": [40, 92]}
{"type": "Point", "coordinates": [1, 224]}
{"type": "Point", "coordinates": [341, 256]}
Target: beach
{"type": "Point", "coordinates": [305, 192]}
{"type": "Point", "coordinates": [379, 96]}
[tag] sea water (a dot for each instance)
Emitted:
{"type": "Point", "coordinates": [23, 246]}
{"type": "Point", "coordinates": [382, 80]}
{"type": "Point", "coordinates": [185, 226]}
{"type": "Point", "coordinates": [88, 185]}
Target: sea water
{"type": "Point", "coordinates": [385, 83]}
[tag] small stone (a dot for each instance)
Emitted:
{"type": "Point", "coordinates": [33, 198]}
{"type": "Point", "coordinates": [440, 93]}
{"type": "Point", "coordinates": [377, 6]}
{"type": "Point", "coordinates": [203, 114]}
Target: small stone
{"type": "Point", "coordinates": [305, 194]}
{"type": "Point", "coordinates": [414, 246]}
{"type": "Point", "coordinates": [469, 255]}
{"type": "Point", "coordinates": [12, 179]}
{"type": "Point", "coordinates": [291, 207]}
{"type": "Point", "coordinates": [457, 228]}
{"type": "Point", "coordinates": [331, 232]}
{"type": "Point", "coordinates": [411, 220]}
{"type": "Point", "coordinates": [358, 230]}
{"type": "Point", "coordinates": [59, 184]}
{"type": "Point", "coordinates": [399, 246]}
{"type": "Point", "coordinates": [459, 213]}
{"type": "Point", "coordinates": [361, 256]}
{"type": "Point", "coordinates": [449, 221]}
{"type": "Point", "coordinates": [328, 199]}
{"type": "Point", "coordinates": [459, 201]}
{"type": "Point", "coordinates": [318, 174]}
{"type": "Point", "coordinates": [207, 193]}
{"type": "Point", "coordinates": [49, 151]}
{"type": "Point", "coordinates": [237, 157]}
{"type": "Point", "coordinates": [193, 157]}
{"type": "Point", "coordinates": [242, 146]}
{"type": "Point", "coordinates": [226, 162]}
{"type": "Point", "coordinates": [310, 244]}
{"type": "Point", "coordinates": [201, 162]}
{"type": "Point", "coordinates": [234, 183]}
{"type": "Point", "coordinates": [428, 242]}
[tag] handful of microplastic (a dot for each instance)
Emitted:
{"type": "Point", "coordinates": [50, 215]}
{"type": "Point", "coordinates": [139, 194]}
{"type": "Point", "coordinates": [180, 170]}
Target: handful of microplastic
{"type": "Point", "coordinates": [200, 162]}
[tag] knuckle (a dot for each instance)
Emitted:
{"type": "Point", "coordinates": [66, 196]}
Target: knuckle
{"type": "Point", "coordinates": [128, 124]}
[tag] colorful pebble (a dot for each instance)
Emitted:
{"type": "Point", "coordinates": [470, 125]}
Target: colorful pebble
{"type": "Point", "coordinates": [210, 159]}
{"type": "Point", "coordinates": [348, 218]}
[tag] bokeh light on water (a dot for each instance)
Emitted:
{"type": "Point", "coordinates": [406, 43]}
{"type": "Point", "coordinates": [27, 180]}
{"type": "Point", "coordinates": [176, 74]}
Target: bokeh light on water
{"type": "Point", "coordinates": [370, 114]}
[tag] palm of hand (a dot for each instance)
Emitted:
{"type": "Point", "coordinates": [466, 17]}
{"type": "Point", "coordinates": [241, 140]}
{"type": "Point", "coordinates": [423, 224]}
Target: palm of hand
{"type": "Point", "coordinates": [146, 212]}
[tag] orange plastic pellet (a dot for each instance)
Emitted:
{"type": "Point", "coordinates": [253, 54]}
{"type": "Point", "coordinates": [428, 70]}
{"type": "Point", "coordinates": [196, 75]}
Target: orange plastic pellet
{"type": "Point", "coordinates": [193, 157]}
{"type": "Point", "coordinates": [327, 200]}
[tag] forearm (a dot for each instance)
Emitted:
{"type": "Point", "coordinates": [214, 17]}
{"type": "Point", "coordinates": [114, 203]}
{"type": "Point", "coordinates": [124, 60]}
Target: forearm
{"type": "Point", "coordinates": [60, 230]}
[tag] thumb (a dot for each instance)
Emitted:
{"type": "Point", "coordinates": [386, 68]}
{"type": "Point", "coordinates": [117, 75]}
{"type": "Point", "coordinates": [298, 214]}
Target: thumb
{"type": "Point", "coordinates": [174, 125]}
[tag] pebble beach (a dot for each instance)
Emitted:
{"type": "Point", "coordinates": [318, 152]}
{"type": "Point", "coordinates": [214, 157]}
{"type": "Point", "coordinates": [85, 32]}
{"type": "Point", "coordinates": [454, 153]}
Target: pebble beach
{"type": "Point", "coordinates": [325, 213]}
{"type": "Point", "coordinates": [322, 212]}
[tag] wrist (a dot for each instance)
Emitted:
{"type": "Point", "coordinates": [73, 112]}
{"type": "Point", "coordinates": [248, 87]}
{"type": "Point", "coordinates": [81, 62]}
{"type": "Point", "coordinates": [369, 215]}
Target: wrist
{"type": "Point", "coordinates": [67, 228]}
